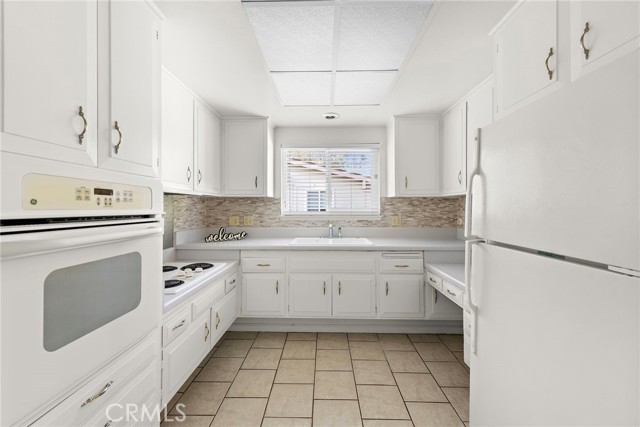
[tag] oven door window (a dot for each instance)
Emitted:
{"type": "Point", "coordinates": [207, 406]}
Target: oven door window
{"type": "Point", "coordinates": [81, 298]}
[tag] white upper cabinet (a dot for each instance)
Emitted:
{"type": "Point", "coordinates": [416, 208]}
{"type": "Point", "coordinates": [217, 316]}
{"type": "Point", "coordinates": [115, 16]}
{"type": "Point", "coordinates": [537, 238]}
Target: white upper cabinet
{"type": "Point", "coordinates": [526, 52]}
{"type": "Point", "coordinates": [71, 70]}
{"type": "Point", "coordinates": [452, 169]}
{"type": "Point", "coordinates": [208, 150]}
{"type": "Point", "coordinates": [413, 157]}
{"type": "Point", "coordinates": [247, 157]}
{"type": "Point", "coordinates": [49, 80]}
{"type": "Point", "coordinates": [177, 135]}
{"type": "Point", "coordinates": [479, 115]}
{"type": "Point", "coordinates": [133, 119]}
{"type": "Point", "coordinates": [601, 32]}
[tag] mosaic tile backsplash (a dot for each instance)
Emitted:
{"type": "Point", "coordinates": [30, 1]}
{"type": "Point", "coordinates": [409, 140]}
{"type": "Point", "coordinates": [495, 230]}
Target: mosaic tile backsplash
{"type": "Point", "coordinates": [191, 212]}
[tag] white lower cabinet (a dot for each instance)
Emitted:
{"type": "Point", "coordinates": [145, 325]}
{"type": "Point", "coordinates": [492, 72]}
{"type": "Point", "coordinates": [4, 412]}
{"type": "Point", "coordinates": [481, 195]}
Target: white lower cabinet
{"type": "Point", "coordinates": [223, 314]}
{"type": "Point", "coordinates": [401, 296]}
{"type": "Point", "coordinates": [439, 307]}
{"type": "Point", "coordinates": [354, 295]}
{"type": "Point", "coordinates": [310, 295]}
{"type": "Point", "coordinates": [263, 294]}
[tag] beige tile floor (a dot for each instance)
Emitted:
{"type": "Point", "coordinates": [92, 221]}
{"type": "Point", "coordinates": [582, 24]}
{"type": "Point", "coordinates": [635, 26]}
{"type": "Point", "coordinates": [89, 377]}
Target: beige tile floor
{"type": "Point", "coordinates": [274, 379]}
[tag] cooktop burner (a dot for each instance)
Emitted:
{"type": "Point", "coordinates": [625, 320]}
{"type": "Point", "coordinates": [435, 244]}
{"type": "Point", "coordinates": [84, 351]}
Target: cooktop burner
{"type": "Point", "coordinates": [202, 265]}
{"type": "Point", "coordinates": [172, 283]}
{"type": "Point", "coordinates": [166, 268]}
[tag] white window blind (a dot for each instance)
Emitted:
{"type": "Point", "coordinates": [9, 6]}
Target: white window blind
{"type": "Point", "coordinates": [330, 181]}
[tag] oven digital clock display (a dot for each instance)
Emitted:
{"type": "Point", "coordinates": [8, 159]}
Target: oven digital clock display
{"type": "Point", "coordinates": [103, 192]}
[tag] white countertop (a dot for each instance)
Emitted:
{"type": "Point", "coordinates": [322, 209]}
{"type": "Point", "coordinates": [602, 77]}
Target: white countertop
{"type": "Point", "coordinates": [451, 272]}
{"type": "Point", "coordinates": [378, 244]}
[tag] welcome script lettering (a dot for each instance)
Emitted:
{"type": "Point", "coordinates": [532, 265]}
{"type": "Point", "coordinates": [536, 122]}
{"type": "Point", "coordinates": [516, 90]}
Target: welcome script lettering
{"type": "Point", "coordinates": [223, 236]}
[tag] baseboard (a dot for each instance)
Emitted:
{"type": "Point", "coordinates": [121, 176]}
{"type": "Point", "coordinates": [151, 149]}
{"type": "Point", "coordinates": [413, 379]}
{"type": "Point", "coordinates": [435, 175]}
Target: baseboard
{"type": "Point", "coordinates": [347, 325]}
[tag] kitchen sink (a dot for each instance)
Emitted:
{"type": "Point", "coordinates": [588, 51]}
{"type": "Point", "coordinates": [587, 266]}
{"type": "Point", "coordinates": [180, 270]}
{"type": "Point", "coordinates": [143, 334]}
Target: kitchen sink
{"type": "Point", "coordinates": [328, 241]}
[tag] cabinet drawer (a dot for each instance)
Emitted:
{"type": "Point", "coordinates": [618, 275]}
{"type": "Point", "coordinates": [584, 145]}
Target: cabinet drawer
{"type": "Point", "coordinates": [323, 262]}
{"type": "Point", "coordinates": [401, 265]}
{"type": "Point", "coordinates": [434, 281]}
{"type": "Point", "coordinates": [452, 292]}
{"type": "Point", "coordinates": [92, 398]}
{"type": "Point", "coordinates": [175, 326]}
{"type": "Point", "coordinates": [253, 265]}
{"type": "Point", "coordinates": [230, 282]}
{"type": "Point", "coordinates": [204, 302]}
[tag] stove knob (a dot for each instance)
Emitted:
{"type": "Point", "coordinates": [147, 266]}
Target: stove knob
{"type": "Point", "coordinates": [199, 270]}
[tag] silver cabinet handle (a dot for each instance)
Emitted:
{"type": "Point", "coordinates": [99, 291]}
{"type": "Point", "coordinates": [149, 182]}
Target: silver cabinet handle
{"type": "Point", "coordinates": [108, 423]}
{"type": "Point", "coordinates": [402, 265]}
{"type": "Point", "coordinates": [188, 173]}
{"type": "Point", "coordinates": [460, 177]}
{"type": "Point", "coordinates": [117, 128]}
{"type": "Point", "coordinates": [387, 287]}
{"type": "Point", "coordinates": [232, 282]}
{"type": "Point", "coordinates": [324, 288]}
{"type": "Point", "coordinates": [84, 125]}
{"type": "Point", "coordinates": [584, 48]}
{"type": "Point", "coordinates": [432, 281]}
{"type": "Point", "coordinates": [277, 284]}
{"type": "Point", "coordinates": [263, 265]}
{"type": "Point", "coordinates": [452, 293]}
{"type": "Point", "coordinates": [217, 320]}
{"type": "Point", "coordinates": [181, 324]}
{"type": "Point", "coordinates": [546, 63]}
{"type": "Point", "coordinates": [98, 395]}
{"type": "Point", "coordinates": [256, 182]}
{"type": "Point", "coordinates": [339, 288]}
{"type": "Point", "coordinates": [206, 329]}
{"type": "Point", "coordinates": [406, 182]}
{"type": "Point", "coordinates": [435, 296]}
{"type": "Point", "coordinates": [199, 176]}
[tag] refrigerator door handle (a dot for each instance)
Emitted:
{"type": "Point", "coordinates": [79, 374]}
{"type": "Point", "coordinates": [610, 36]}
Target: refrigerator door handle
{"type": "Point", "coordinates": [469, 291]}
{"type": "Point", "coordinates": [469, 196]}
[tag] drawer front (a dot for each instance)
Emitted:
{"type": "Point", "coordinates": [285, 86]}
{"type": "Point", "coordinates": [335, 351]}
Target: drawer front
{"type": "Point", "coordinates": [401, 265]}
{"type": "Point", "coordinates": [252, 265]}
{"type": "Point", "coordinates": [92, 398]}
{"type": "Point", "coordinates": [230, 282]}
{"type": "Point", "coordinates": [452, 292]}
{"type": "Point", "coordinates": [434, 281]}
{"type": "Point", "coordinates": [175, 326]}
{"type": "Point", "coordinates": [343, 263]}
{"type": "Point", "coordinates": [203, 303]}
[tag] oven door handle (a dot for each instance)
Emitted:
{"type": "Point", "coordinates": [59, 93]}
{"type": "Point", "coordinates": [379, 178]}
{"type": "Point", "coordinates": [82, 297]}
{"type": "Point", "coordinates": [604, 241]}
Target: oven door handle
{"type": "Point", "coordinates": [26, 244]}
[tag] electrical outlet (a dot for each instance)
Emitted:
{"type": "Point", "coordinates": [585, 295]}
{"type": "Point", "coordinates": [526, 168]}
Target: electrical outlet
{"type": "Point", "coordinates": [234, 220]}
{"type": "Point", "coordinates": [248, 220]}
{"type": "Point", "coordinates": [396, 220]}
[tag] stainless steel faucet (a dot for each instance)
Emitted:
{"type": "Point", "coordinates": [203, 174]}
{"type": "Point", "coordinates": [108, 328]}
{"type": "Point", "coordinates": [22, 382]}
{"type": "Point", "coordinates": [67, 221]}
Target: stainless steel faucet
{"type": "Point", "coordinates": [330, 229]}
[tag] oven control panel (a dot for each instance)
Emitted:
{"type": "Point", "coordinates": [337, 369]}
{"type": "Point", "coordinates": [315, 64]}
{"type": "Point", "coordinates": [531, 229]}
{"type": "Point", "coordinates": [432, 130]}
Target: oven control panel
{"type": "Point", "coordinates": [54, 192]}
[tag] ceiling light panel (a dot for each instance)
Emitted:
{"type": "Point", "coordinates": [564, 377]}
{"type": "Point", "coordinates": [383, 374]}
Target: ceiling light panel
{"type": "Point", "coordinates": [303, 89]}
{"type": "Point", "coordinates": [362, 87]}
{"type": "Point", "coordinates": [293, 38]}
{"type": "Point", "coordinates": [378, 36]}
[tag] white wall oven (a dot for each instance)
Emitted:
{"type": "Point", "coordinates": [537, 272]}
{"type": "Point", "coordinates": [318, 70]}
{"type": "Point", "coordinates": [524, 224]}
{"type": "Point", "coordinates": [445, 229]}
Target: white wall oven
{"type": "Point", "coordinates": [78, 287]}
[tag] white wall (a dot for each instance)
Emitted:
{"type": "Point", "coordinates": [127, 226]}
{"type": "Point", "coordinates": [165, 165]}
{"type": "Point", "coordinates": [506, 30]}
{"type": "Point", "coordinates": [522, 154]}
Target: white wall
{"type": "Point", "coordinates": [329, 136]}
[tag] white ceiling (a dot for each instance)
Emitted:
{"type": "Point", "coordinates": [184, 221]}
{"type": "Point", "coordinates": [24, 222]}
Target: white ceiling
{"type": "Point", "coordinates": [211, 47]}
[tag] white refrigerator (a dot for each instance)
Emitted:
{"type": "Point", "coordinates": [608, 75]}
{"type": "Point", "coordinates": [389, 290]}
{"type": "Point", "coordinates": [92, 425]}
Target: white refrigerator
{"type": "Point", "coordinates": [553, 258]}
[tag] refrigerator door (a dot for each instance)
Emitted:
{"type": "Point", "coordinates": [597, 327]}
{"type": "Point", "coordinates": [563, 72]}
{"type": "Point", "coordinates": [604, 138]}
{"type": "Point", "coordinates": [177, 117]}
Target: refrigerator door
{"type": "Point", "coordinates": [562, 175]}
{"type": "Point", "coordinates": [557, 344]}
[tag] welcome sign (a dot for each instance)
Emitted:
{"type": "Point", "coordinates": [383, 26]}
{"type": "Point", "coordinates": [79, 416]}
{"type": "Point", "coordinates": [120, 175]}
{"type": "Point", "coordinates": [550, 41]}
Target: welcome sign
{"type": "Point", "coordinates": [223, 236]}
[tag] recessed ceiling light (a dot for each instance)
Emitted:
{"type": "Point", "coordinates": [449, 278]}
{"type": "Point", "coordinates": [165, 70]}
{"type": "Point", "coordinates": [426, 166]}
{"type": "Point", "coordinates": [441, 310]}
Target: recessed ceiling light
{"type": "Point", "coordinates": [331, 116]}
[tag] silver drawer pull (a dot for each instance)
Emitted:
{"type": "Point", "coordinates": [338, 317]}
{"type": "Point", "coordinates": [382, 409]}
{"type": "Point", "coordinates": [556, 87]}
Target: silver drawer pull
{"type": "Point", "coordinates": [452, 293]}
{"type": "Point", "coordinates": [263, 265]}
{"type": "Point", "coordinates": [181, 324]}
{"type": "Point", "coordinates": [108, 423]}
{"type": "Point", "coordinates": [432, 280]}
{"type": "Point", "coordinates": [96, 396]}
{"type": "Point", "coordinates": [402, 265]}
{"type": "Point", "coordinates": [232, 282]}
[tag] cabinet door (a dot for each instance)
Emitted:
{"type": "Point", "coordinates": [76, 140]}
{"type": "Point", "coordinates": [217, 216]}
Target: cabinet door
{"type": "Point", "coordinates": [416, 157]}
{"type": "Point", "coordinates": [263, 294]}
{"type": "Point", "coordinates": [245, 157]}
{"type": "Point", "coordinates": [223, 315]}
{"type": "Point", "coordinates": [401, 296]}
{"type": "Point", "coordinates": [354, 295]}
{"type": "Point", "coordinates": [177, 135]}
{"type": "Point", "coordinates": [439, 307]}
{"type": "Point", "coordinates": [132, 87]}
{"type": "Point", "coordinates": [183, 355]}
{"type": "Point", "coordinates": [310, 295]}
{"type": "Point", "coordinates": [479, 115]}
{"type": "Point", "coordinates": [613, 31]}
{"type": "Point", "coordinates": [523, 46]}
{"type": "Point", "coordinates": [48, 73]}
{"type": "Point", "coordinates": [207, 161]}
{"type": "Point", "coordinates": [453, 171]}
